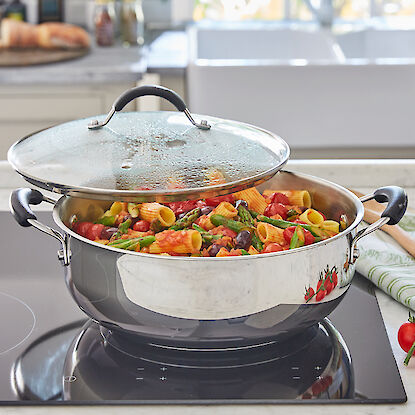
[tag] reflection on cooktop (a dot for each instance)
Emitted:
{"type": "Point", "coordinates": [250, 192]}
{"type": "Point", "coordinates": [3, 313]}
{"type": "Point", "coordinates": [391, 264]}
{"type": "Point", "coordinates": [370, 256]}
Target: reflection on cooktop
{"type": "Point", "coordinates": [332, 362]}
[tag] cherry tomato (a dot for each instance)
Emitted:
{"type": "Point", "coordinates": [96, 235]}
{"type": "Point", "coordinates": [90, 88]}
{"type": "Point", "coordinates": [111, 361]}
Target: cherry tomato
{"type": "Point", "coordinates": [288, 233]}
{"type": "Point", "coordinates": [406, 336]}
{"type": "Point", "coordinates": [309, 293]}
{"type": "Point", "coordinates": [328, 285]}
{"type": "Point", "coordinates": [182, 207]}
{"type": "Point", "coordinates": [141, 226]}
{"type": "Point", "coordinates": [299, 221]}
{"type": "Point", "coordinates": [308, 237]}
{"type": "Point", "coordinates": [200, 204]}
{"type": "Point", "coordinates": [278, 197]}
{"type": "Point", "coordinates": [334, 278]}
{"type": "Point", "coordinates": [320, 295]}
{"type": "Point", "coordinates": [272, 247]}
{"type": "Point", "coordinates": [222, 230]}
{"type": "Point", "coordinates": [81, 228]}
{"type": "Point", "coordinates": [214, 201]}
{"type": "Point", "coordinates": [94, 232]}
{"type": "Point", "coordinates": [276, 209]}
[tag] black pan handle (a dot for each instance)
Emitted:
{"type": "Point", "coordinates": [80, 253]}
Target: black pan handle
{"type": "Point", "coordinates": [141, 91]}
{"type": "Point", "coordinates": [397, 200]}
{"type": "Point", "coordinates": [20, 201]}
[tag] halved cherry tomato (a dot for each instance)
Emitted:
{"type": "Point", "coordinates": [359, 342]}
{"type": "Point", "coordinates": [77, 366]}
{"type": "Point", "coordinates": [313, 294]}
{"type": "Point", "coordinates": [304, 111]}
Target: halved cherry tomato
{"type": "Point", "coordinates": [81, 228]}
{"type": "Point", "coordinates": [272, 247]}
{"type": "Point", "coordinates": [289, 232]}
{"type": "Point", "coordinates": [214, 201]}
{"type": "Point", "coordinates": [94, 232]}
{"type": "Point", "coordinates": [182, 207]}
{"type": "Point", "coordinates": [141, 226]}
{"type": "Point", "coordinates": [276, 209]}
{"type": "Point", "coordinates": [278, 197]}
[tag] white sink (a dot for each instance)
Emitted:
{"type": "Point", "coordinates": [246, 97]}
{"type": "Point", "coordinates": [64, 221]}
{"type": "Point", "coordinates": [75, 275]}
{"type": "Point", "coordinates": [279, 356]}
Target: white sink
{"type": "Point", "coordinates": [250, 41]}
{"type": "Point", "coordinates": [299, 84]}
{"type": "Point", "coordinates": [378, 44]}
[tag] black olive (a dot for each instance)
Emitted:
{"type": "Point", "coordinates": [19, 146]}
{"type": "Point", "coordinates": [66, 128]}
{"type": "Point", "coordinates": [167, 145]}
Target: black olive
{"type": "Point", "coordinates": [243, 240]}
{"type": "Point", "coordinates": [214, 249]}
{"type": "Point", "coordinates": [205, 210]}
{"type": "Point", "coordinates": [107, 232]}
{"type": "Point", "coordinates": [241, 203]}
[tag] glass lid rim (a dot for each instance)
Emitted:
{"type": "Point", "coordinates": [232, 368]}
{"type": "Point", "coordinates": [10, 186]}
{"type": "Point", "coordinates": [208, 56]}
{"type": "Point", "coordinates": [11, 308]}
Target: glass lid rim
{"type": "Point", "coordinates": [109, 194]}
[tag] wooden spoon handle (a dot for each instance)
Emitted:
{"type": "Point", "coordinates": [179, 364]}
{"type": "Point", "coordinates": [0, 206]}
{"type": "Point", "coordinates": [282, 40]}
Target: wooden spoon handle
{"type": "Point", "coordinates": [372, 213]}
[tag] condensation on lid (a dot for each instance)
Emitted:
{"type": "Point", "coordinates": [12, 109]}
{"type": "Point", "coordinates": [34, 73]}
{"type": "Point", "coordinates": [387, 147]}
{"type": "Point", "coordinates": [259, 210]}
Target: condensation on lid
{"type": "Point", "coordinates": [147, 154]}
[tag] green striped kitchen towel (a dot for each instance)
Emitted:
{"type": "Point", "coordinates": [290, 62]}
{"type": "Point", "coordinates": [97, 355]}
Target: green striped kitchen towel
{"type": "Point", "coordinates": [388, 265]}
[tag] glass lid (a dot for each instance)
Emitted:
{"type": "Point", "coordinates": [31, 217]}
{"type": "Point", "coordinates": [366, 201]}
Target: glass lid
{"type": "Point", "coordinates": [149, 156]}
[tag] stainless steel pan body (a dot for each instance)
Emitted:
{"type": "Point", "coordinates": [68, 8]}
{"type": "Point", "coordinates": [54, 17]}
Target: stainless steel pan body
{"type": "Point", "coordinates": [216, 303]}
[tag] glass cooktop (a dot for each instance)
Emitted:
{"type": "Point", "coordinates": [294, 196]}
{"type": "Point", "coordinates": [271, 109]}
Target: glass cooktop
{"type": "Point", "coordinates": [51, 354]}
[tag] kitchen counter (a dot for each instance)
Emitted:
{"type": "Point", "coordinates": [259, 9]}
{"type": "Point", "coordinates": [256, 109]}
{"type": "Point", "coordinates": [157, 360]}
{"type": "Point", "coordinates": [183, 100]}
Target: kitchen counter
{"type": "Point", "coordinates": [364, 175]}
{"type": "Point", "coordinates": [102, 65]}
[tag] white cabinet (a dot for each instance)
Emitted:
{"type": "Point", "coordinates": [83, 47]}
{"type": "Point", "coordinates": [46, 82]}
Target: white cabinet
{"type": "Point", "coordinates": [26, 109]}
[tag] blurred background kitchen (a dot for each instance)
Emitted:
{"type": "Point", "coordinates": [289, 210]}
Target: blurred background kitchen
{"type": "Point", "coordinates": [334, 78]}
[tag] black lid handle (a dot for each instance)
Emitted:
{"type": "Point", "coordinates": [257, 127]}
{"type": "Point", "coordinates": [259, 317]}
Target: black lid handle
{"type": "Point", "coordinates": [142, 91]}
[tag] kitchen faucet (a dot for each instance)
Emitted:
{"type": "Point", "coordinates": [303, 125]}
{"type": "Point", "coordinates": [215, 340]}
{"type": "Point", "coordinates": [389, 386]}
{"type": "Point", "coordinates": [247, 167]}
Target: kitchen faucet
{"type": "Point", "coordinates": [322, 10]}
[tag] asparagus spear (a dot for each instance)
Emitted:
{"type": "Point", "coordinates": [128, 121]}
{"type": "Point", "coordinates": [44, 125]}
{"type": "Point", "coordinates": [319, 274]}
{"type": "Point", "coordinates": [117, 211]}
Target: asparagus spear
{"type": "Point", "coordinates": [206, 236]}
{"type": "Point", "coordinates": [107, 220]}
{"type": "Point", "coordinates": [131, 244]}
{"type": "Point", "coordinates": [247, 218]}
{"type": "Point", "coordinates": [233, 225]}
{"type": "Point", "coordinates": [285, 224]}
{"type": "Point", "coordinates": [123, 228]}
{"type": "Point", "coordinates": [186, 220]}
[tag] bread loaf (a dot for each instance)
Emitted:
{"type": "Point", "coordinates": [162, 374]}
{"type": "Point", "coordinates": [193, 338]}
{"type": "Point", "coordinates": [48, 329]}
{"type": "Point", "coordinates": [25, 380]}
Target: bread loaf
{"type": "Point", "coordinates": [16, 34]}
{"type": "Point", "coordinates": [62, 36]}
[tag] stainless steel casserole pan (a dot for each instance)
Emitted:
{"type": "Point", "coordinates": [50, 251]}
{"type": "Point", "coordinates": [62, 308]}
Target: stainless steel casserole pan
{"type": "Point", "coordinates": [211, 303]}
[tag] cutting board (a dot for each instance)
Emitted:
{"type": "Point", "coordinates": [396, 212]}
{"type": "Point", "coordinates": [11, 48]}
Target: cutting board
{"type": "Point", "coordinates": [27, 57]}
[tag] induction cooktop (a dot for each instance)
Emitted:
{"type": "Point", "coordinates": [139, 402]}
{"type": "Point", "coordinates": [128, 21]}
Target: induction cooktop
{"type": "Point", "coordinates": [51, 354]}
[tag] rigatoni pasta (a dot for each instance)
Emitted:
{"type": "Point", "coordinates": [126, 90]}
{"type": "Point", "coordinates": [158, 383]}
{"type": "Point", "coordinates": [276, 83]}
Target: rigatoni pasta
{"type": "Point", "coordinates": [268, 233]}
{"type": "Point", "coordinates": [295, 197]}
{"type": "Point", "coordinates": [157, 211]}
{"type": "Point", "coordinates": [254, 199]}
{"type": "Point", "coordinates": [180, 242]}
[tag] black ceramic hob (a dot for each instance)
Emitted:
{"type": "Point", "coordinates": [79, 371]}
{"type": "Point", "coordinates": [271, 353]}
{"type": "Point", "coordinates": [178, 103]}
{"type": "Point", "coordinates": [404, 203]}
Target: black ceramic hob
{"type": "Point", "coordinates": [51, 354]}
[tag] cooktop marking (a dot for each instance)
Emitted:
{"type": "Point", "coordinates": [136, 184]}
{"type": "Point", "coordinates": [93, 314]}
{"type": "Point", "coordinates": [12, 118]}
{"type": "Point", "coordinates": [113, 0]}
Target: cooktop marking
{"type": "Point", "coordinates": [13, 305]}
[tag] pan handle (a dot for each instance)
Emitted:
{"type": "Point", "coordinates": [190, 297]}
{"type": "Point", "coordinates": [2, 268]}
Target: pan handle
{"type": "Point", "coordinates": [142, 91]}
{"type": "Point", "coordinates": [397, 200]}
{"type": "Point", "coordinates": [20, 201]}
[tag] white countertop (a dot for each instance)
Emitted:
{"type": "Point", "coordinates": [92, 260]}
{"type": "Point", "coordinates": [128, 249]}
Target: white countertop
{"type": "Point", "coordinates": [364, 175]}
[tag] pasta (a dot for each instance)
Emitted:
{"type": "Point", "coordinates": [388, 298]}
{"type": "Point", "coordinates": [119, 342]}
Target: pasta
{"type": "Point", "coordinates": [180, 242]}
{"type": "Point", "coordinates": [295, 197]}
{"type": "Point", "coordinates": [156, 211]}
{"type": "Point", "coordinates": [269, 233]}
{"type": "Point", "coordinates": [312, 217]}
{"type": "Point", "coordinates": [254, 199]}
{"type": "Point", "coordinates": [243, 223]}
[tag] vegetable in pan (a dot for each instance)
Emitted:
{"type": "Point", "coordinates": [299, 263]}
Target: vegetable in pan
{"type": "Point", "coordinates": [243, 223]}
